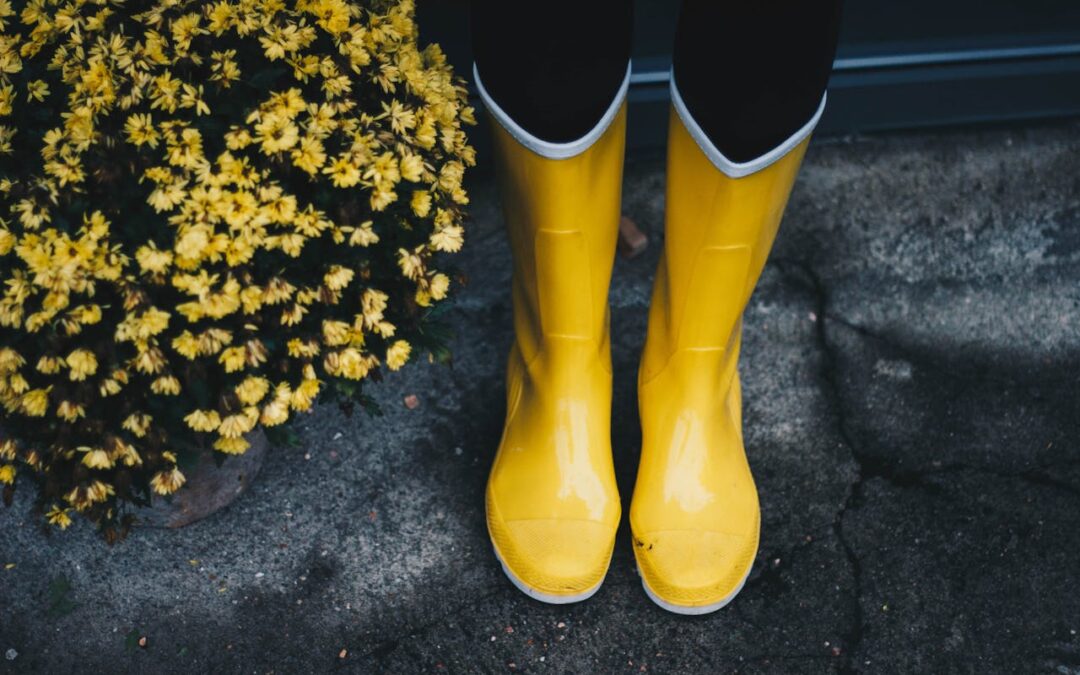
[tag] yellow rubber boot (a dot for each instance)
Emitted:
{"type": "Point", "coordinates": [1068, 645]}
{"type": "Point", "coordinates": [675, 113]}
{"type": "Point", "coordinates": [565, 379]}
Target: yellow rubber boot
{"type": "Point", "coordinates": [695, 515]}
{"type": "Point", "coordinates": [552, 502]}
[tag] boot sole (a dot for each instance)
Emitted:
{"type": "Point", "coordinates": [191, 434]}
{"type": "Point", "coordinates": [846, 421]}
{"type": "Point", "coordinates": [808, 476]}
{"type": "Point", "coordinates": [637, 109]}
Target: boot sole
{"type": "Point", "coordinates": [548, 597]}
{"type": "Point", "coordinates": [691, 610]}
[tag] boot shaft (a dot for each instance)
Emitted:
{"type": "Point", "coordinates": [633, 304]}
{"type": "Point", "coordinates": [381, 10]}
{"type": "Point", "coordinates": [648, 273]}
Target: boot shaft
{"type": "Point", "coordinates": [562, 223]}
{"type": "Point", "coordinates": [717, 235]}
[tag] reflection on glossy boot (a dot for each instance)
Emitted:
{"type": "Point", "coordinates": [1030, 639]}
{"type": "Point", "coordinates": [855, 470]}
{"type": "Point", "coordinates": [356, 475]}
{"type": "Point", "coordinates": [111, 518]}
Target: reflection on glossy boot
{"type": "Point", "coordinates": [552, 503]}
{"type": "Point", "coordinates": [695, 514]}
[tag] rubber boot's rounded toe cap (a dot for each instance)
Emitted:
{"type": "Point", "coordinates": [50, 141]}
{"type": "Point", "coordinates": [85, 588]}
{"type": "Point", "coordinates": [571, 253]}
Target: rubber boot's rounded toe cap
{"type": "Point", "coordinates": [694, 572]}
{"type": "Point", "coordinates": [555, 560]}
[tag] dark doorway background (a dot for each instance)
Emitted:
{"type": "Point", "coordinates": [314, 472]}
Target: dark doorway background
{"type": "Point", "coordinates": [900, 63]}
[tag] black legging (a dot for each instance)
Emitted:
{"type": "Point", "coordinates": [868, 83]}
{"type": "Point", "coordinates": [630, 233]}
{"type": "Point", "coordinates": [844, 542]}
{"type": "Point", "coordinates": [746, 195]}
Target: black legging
{"type": "Point", "coordinates": [751, 72]}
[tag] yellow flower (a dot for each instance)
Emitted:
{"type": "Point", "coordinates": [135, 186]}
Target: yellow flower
{"type": "Point", "coordinates": [363, 235]}
{"type": "Point", "coordinates": [448, 238]}
{"type": "Point", "coordinates": [293, 315]}
{"type": "Point", "coordinates": [35, 402]}
{"type": "Point", "coordinates": [168, 481]}
{"type": "Point", "coordinates": [224, 68]}
{"type": "Point", "coordinates": [421, 203]}
{"type": "Point", "coordinates": [152, 260]}
{"type": "Point", "coordinates": [412, 167]}
{"type": "Point", "coordinates": [372, 304]}
{"type": "Point", "coordinates": [96, 458]}
{"type": "Point", "coordinates": [336, 333]}
{"type": "Point", "coordinates": [276, 133]}
{"type": "Point", "coordinates": [252, 390]}
{"type": "Point", "coordinates": [140, 130]}
{"type": "Point", "coordinates": [343, 172]}
{"type": "Point", "coordinates": [138, 423]}
{"type": "Point", "coordinates": [310, 156]}
{"type": "Point", "coordinates": [212, 340]}
{"type": "Point", "coordinates": [187, 151]}
{"type": "Point", "coordinates": [304, 395]}
{"type": "Point", "coordinates": [231, 446]}
{"type": "Point", "coordinates": [338, 277]}
{"type": "Point", "coordinates": [166, 385]}
{"type": "Point", "coordinates": [241, 267]}
{"type": "Point", "coordinates": [99, 491]}
{"type": "Point", "coordinates": [238, 424]}
{"type": "Point", "coordinates": [275, 413]}
{"type": "Point", "coordinates": [440, 284]}
{"type": "Point", "coordinates": [126, 453]}
{"type": "Point", "coordinates": [233, 359]}
{"type": "Point", "coordinates": [237, 138]}
{"type": "Point", "coordinates": [186, 345]}
{"type": "Point", "coordinates": [381, 197]}
{"type": "Point", "coordinates": [70, 411]}
{"type": "Point", "coordinates": [58, 516]}
{"type": "Point", "coordinates": [203, 420]}
{"type": "Point", "coordinates": [49, 365]}
{"type": "Point", "coordinates": [410, 262]}
{"type": "Point", "coordinates": [397, 354]}
{"type": "Point", "coordinates": [37, 90]}
{"type": "Point", "coordinates": [302, 349]}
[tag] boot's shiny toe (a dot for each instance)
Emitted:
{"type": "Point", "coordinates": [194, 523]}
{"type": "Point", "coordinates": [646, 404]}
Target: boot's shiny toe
{"type": "Point", "coordinates": [555, 560]}
{"type": "Point", "coordinates": [694, 572]}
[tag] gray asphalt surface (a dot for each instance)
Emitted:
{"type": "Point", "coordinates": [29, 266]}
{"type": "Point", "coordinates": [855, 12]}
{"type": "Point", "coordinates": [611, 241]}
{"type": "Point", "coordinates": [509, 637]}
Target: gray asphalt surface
{"type": "Point", "coordinates": [910, 373]}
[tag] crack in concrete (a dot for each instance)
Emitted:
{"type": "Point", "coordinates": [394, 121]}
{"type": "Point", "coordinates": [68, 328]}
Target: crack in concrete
{"type": "Point", "coordinates": [803, 275]}
{"type": "Point", "coordinates": [853, 637]}
{"type": "Point", "coordinates": [905, 478]}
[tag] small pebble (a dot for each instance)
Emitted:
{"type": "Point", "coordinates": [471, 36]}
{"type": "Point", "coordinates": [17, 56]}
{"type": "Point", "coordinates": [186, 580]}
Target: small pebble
{"type": "Point", "coordinates": [412, 401]}
{"type": "Point", "coordinates": [142, 642]}
{"type": "Point", "coordinates": [560, 625]}
{"type": "Point", "coordinates": [338, 435]}
{"type": "Point", "coordinates": [343, 653]}
{"type": "Point", "coordinates": [11, 654]}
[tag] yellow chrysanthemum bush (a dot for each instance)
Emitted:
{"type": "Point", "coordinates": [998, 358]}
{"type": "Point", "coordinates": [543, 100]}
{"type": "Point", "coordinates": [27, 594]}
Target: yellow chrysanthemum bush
{"type": "Point", "coordinates": [211, 214]}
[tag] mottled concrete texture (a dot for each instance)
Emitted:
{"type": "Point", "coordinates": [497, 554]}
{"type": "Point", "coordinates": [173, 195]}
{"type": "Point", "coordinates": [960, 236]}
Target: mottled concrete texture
{"type": "Point", "coordinates": [911, 369]}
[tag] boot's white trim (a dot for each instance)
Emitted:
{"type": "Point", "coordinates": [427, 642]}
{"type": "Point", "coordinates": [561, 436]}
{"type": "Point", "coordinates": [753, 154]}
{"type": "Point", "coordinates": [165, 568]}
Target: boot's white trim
{"type": "Point", "coordinates": [692, 610]}
{"type": "Point", "coordinates": [547, 148]}
{"type": "Point", "coordinates": [739, 169]}
{"type": "Point", "coordinates": [549, 598]}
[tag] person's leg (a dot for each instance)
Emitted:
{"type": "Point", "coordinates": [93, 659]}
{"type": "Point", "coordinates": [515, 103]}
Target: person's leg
{"type": "Point", "coordinates": [552, 67]}
{"type": "Point", "coordinates": [553, 77]}
{"type": "Point", "coordinates": [748, 87]}
{"type": "Point", "coordinates": [753, 74]}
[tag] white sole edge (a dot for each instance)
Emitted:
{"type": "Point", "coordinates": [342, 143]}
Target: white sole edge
{"type": "Point", "coordinates": [691, 610]}
{"type": "Point", "coordinates": [547, 597]}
